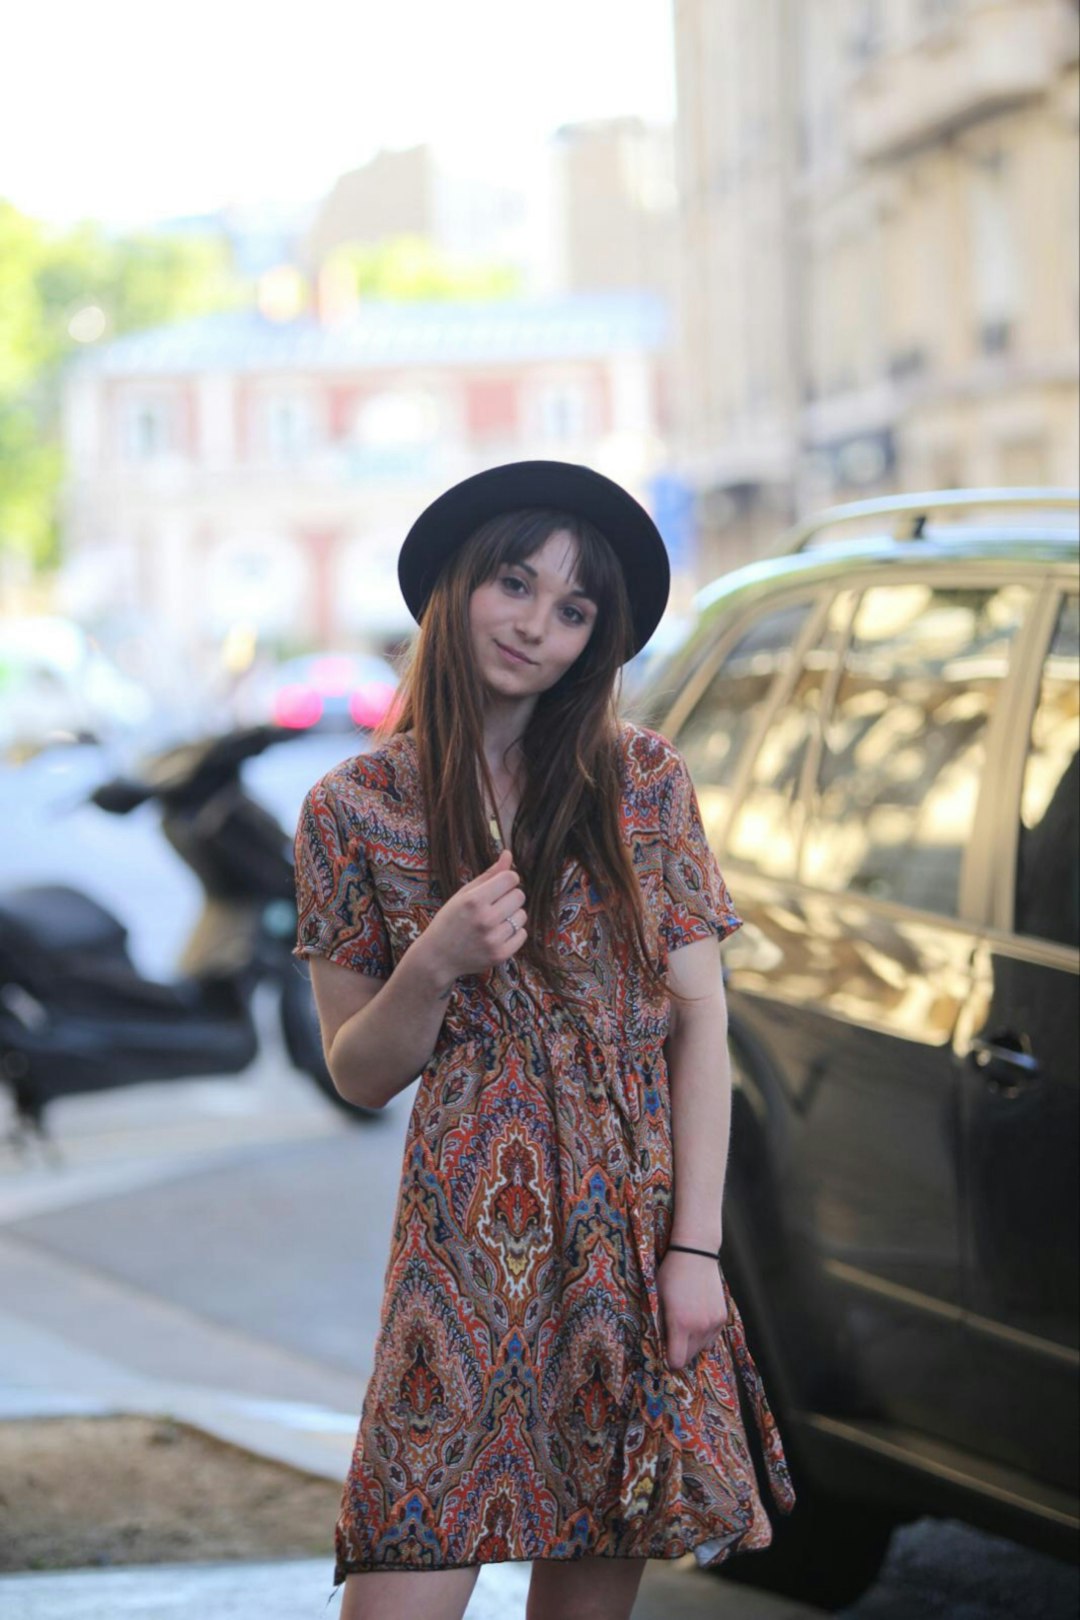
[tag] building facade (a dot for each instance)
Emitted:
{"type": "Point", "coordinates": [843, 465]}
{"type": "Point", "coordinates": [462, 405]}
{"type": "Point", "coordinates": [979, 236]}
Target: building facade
{"type": "Point", "coordinates": [880, 274]}
{"type": "Point", "coordinates": [592, 210]}
{"type": "Point", "coordinates": [613, 212]}
{"type": "Point", "coordinates": [237, 472]}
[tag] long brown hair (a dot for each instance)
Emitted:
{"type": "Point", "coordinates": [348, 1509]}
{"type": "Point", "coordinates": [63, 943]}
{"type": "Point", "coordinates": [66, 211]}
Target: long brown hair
{"type": "Point", "coordinates": [572, 783]}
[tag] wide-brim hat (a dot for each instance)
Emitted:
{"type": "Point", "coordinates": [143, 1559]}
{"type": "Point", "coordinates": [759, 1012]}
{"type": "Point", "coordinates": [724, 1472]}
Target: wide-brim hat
{"type": "Point", "coordinates": [560, 485]}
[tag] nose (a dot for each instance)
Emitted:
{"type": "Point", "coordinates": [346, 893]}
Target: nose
{"type": "Point", "coordinates": [529, 621]}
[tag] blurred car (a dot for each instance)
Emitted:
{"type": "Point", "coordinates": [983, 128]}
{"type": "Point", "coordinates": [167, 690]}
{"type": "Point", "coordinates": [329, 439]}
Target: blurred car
{"type": "Point", "coordinates": [669, 633]}
{"type": "Point", "coordinates": [320, 692]}
{"type": "Point", "coordinates": [58, 686]}
{"type": "Point", "coordinates": [883, 721]}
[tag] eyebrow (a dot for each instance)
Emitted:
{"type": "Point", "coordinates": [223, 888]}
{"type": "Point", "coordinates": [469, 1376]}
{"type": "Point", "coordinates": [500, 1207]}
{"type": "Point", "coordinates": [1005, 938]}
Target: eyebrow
{"type": "Point", "coordinates": [577, 590]}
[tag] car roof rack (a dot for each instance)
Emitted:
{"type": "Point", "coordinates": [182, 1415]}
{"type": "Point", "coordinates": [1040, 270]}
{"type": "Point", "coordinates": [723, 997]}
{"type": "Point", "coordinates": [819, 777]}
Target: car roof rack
{"type": "Point", "coordinates": [912, 512]}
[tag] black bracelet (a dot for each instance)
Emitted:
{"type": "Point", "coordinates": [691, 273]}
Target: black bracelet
{"type": "Point", "coordinates": [684, 1250]}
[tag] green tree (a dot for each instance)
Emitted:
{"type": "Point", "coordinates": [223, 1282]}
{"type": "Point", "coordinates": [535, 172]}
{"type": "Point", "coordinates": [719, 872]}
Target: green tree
{"type": "Point", "coordinates": [47, 278]}
{"type": "Point", "coordinates": [405, 269]}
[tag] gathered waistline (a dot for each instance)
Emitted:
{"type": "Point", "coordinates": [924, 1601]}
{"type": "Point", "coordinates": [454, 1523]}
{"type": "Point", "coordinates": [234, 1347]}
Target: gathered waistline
{"type": "Point", "coordinates": [630, 1050]}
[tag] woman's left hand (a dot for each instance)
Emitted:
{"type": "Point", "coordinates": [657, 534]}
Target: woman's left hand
{"type": "Point", "coordinates": [693, 1306]}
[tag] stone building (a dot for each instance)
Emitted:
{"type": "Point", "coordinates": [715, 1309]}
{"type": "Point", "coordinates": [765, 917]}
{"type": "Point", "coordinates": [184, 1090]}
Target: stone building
{"type": "Point", "coordinates": [614, 205]}
{"type": "Point", "coordinates": [879, 251]}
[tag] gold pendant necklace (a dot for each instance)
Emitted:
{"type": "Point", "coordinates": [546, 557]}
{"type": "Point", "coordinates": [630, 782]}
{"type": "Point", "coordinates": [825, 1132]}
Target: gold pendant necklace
{"type": "Point", "coordinates": [493, 818]}
{"type": "Point", "coordinates": [495, 811]}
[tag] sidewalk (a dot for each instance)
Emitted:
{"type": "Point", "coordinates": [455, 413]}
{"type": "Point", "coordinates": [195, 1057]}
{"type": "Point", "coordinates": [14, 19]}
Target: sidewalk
{"type": "Point", "coordinates": [44, 1373]}
{"type": "Point", "coordinates": [77, 1338]}
{"type": "Point", "coordinates": [286, 1591]}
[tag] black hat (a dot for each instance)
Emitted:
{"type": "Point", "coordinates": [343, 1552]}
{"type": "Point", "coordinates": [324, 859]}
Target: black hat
{"type": "Point", "coordinates": [560, 485]}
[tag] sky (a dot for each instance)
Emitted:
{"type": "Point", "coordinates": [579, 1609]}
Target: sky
{"type": "Point", "coordinates": [127, 112]}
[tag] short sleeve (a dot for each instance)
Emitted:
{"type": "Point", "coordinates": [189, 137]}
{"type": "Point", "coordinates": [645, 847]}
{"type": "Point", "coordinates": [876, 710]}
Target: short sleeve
{"type": "Point", "coordinates": [338, 911]}
{"type": "Point", "coordinates": [697, 902]}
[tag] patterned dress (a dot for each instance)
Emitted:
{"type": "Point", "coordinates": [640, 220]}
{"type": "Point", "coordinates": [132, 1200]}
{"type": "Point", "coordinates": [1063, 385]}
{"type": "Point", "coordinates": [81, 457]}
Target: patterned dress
{"type": "Point", "coordinates": [520, 1405]}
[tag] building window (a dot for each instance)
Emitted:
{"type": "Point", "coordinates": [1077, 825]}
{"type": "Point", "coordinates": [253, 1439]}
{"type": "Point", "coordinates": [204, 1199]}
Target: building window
{"type": "Point", "coordinates": [937, 14]}
{"type": "Point", "coordinates": [397, 434]}
{"type": "Point", "coordinates": [148, 429]}
{"type": "Point", "coordinates": [907, 363]}
{"type": "Point", "coordinates": [397, 417]}
{"type": "Point", "coordinates": [995, 337]}
{"type": "Point", "coordinates": [288, 426]}
{"type": "Point", "coordinates": [867, 37]}
{"type": "Point", "coordinates": [994, 254]}
{"type": "Point", "coordinates": [563, 412]}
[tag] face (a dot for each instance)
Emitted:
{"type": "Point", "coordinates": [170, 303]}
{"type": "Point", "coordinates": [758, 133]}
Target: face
{"type": "Point", "coordinates": [532, 621]}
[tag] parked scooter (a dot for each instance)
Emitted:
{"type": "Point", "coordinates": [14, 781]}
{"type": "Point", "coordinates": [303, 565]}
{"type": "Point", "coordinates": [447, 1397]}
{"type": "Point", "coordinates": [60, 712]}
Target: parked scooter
{"type": "Point", "coordinates": [77, 1016]}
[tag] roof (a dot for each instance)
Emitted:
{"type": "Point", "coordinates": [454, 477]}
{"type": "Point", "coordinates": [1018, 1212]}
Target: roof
{"type": "Point", "coordinates": [380, 334]}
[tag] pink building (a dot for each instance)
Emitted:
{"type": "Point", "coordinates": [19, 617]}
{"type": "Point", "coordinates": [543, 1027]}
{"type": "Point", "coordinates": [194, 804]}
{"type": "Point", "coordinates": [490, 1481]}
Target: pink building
{"type": "Point", "coordinates": [237, 472]}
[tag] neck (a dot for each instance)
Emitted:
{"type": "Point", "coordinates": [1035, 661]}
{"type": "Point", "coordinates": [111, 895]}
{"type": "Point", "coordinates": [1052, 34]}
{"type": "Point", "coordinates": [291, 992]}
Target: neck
{"type": "Point", "coordinates": [504, 727]}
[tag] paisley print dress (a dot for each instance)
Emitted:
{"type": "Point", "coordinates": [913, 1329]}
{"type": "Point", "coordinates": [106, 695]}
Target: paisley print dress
{"type": "Point", "coordinates": [520, 1405]}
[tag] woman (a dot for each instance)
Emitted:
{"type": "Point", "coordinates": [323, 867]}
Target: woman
{"type": "Point", "coordinates": [512, 896]}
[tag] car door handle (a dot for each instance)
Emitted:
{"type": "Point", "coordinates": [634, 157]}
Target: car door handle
{"type": "Point", "coordinates": [990, 1055]}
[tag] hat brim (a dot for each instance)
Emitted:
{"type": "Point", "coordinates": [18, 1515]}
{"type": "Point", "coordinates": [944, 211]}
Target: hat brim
{"type": "Point", "coordinates": [456, 514]}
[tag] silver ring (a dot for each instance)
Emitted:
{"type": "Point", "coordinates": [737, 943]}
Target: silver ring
{"type": "Point", "coordinates": [510, 924]}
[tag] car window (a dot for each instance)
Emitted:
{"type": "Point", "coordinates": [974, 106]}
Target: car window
{"type": "Point", "coordinates": [1048, 854]}
{"type": "Point", "coordinates": [714, 735]}
{"type": "Point", "coordinates": [905, 744]}
{"type": "Point", "coordinates": [766, 827]}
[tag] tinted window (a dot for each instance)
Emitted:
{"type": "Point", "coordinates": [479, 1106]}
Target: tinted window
{"type": "Point", "coordinates": [904, 747]}
{"type": "Point", "coordinates": [715, 735]}
{"type": "Point", "coordinates": [765, 831]}
{"type": "Point", "coordinates": [1048, 857]}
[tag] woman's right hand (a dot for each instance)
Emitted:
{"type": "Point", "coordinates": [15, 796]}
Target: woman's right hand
{"type": "Point", "coordinates": [482, 924]}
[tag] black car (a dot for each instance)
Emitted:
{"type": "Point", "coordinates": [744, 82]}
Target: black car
{"type": "Point", "coordinates": [883, 731]}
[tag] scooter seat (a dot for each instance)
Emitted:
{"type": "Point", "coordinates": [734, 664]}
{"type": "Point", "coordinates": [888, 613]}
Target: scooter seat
{"type": "Point", "coordinates": [51, 917]}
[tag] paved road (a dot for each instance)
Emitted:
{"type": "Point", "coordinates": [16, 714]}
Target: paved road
{"type": "Point", "coordinates": [230, 1236]}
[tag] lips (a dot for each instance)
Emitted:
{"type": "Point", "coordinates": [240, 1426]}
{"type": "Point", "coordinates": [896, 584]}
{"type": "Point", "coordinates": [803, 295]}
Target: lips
{"type": "Point", "coordinates": [519, 658]}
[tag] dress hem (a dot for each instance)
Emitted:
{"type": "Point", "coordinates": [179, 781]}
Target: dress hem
{"type": "Point", "coordinates": [723, 1554]}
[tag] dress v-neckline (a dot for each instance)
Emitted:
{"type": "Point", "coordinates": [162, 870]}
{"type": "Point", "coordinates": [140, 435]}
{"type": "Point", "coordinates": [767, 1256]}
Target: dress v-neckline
{"type": "Point", "coordinates": [570, 866]}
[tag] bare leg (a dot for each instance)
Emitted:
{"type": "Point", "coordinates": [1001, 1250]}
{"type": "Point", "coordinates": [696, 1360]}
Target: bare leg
{"type": "Point", "coordinates": [584, 1588]}
{"type": "Point", "coordinates": [428, 1594]}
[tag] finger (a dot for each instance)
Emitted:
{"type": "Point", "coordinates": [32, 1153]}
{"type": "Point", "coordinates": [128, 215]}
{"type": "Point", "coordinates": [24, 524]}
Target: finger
{"type": "Point", "coordinates": [500, 868]}
{"type": "Point", "coordinates": [501, 889]}
{"type": "Point", "coordinates": [502, 862]}
{"type": "Point", "coordinates": [511, 944]}
{"type": "Point", "coordinates": [678, 1345]}
{"type": "Point", "coordinates": [503, 867]}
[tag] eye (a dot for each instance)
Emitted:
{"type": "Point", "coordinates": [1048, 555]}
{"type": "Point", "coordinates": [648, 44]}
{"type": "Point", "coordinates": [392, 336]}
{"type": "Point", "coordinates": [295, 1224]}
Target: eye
{"type": "Point", "coordinates": [576, 616]}
{"type": "Point", "coordinates": [512, 581]}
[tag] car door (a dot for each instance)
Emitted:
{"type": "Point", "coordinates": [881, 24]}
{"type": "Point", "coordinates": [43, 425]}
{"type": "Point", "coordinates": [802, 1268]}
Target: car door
{"type": "Point", "coordinates": [1018, 1061]}
{"type": "Point", "coordinates": [848, 852]}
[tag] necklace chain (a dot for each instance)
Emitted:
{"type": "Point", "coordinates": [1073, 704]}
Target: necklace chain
{"type": "Point", "coordinates": [494, 813]}
{"type": "Point", "coordinates": [494, 823]}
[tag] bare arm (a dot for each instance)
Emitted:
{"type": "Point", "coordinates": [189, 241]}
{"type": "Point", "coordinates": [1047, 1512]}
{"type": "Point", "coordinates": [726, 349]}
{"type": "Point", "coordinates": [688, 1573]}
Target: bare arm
{"type": "Point", "coordinates": [699, 1079]}
{"type": "Point", "coordinates": [379, 1033]}
{"type": "Point", "coordinates": [693, 1308]}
